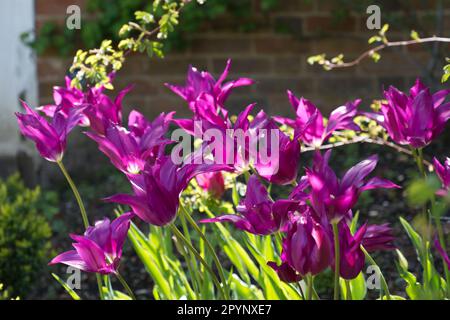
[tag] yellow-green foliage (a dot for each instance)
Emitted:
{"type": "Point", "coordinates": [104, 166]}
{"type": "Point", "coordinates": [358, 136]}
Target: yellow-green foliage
{"type": "Point", "coordinates": [24, 236]}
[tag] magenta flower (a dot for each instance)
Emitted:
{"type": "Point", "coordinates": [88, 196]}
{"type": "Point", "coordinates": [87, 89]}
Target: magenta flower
{"type": "Point", "coordinates": [283, 169]}
{"type": "Point", "coordinates": [201, 82]}
{"type": "Point", "coordinates": [50, 137]}
{"type": "Point", "coordinates": [352, 258]}
{"type": "Point", "coordinates": [212, 182]}
{"type": "Point", "coordinates": [284, 271]}
{"type": "Point", "coordinates": [334, 198]}
{"type": "Point", "coordinates": [372, 238]}
{"type": "Point", "coordinates": [258, 213]}
{"type": "Point", "coordinates": [157, 189]}
{"type": "Point", "coordinates": [307, 246]}
{"type": "Point", "coordinates": [98, 109]}
{"type": "Point", "coordinates": [309, 124]}
{"type": "Point", "coordinates": [443, 172]}
{"type": "Point", "coordinates": [414, 120]}
{"type": "Point", "coordinates": [442, 252]}
{"type": "Point", "coordinates": [100, 248]}
{"type": "Point", "coordinates": [129, 151]}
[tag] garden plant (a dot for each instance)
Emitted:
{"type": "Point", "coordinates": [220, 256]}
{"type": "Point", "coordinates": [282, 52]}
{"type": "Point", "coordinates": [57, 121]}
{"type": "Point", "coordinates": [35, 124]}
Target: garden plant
{"type": "Point", "coordinates": [211, 226]}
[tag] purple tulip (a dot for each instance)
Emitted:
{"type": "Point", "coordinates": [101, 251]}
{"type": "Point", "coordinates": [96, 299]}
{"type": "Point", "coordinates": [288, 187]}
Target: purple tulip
{"type": "Point", "coordinates": [258, 213]}
{"type": "Point", "coordinates": [201, 82]}
{"type": "Point", "coordinates": [100, 248]}
{"type": "Point", "coordinates": [414, 120]}
{"type": "Point", "coordinates": [212, 182]}
{"type": "Point", "coordinates": [284, 271]}
{"type": "Point", "coordinates": [442, 252]}
{"type": "Point", "coordinates": [129, 151]}
{"type": "Point", "coordinates": [98, 109]}
{"type": "Point", "coordinates": [309, 124]}
{"type": "Point", "coordinates": [378, 237]}
{"type": "Point", "coordinates": [50, 137]}
{"type": "Point", "coordinates": [158, 188]}
{"type": "Point", "coordinates": [443, 172]}
{"type": "Point", "coordinates": [307, 245]}
{"type": "Point", "coordinates": [333, 198]}
{"type": "Point", "coordinates": [282, 169]}
{"type": "Point", "coordinates": [372, 238]}
{"type": "Point", "coordinates": [352, 258]}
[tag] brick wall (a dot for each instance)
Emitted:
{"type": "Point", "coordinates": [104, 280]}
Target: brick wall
{"type": "Point", "coordinates": [276, 61]}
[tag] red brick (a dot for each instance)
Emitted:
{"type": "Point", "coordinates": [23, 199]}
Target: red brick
{"type": "Point", "coordinates": [288, 65]}
{"type": "Point", "coordinates": [320, 24]}
{"type": "Point", "coordinates": [279, 85]}
{"type": "Point", "coordinates": [335, 46]}
{"type": "Point", "coordinates": [56, 7]}
{"type": "Point", "coordinates": [221, 44]}
{"type": "Point", "coordinates": [244, 66]}
{"type": "Point", "coordinates": [53, 68]}
{"type": "Point", "coordinates": [281, 44]}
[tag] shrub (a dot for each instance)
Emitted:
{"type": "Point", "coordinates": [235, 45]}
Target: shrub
{"type": "Point", "coordinates": [24, 236]}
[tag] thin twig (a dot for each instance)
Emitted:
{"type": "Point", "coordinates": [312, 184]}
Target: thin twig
{"type": "Point", "coordinates": [383, 46]}
{"type": "Point", "coordinates": [377, 141]}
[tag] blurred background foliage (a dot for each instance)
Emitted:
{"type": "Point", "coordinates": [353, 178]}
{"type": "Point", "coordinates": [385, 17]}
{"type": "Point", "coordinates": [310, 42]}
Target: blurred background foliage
{"type": "Point", "coordinates": [106, 17]}
{"type": "Point", "coordinates": [25, 234]}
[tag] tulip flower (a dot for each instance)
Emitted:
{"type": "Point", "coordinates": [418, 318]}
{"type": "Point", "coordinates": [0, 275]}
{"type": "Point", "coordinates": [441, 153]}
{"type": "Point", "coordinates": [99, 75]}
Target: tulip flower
{"type": "Point", "coordinates": [282, 169]}
{"type": "Point", "coordinates": [352, 258]}
{"type": "Point", "coordinates": [309, 123]}
{"type": "Point", "coordinates": [333, 198]}
{"type": "Point", "coordinates": [49, 137]}
{"type": "Point", "coordinates": [378, 237]}
{"type": "Point", "coordinates": [284, 271]}
{"type": "Point", "coordinates": [212, 182]}
{"type": "Point", "coordinates": [415, 119]}
{"type": "Point", "coordinates": [307, 246]}
{"type": "Point", "coordinates": [443, 172]}
{"type": "Point", "coordinates": [371, 237]}
{"type": "Point", "coordinates": [129, 151]}
{"type": "Point", "coordinates": [158, 188]}
{"type": "Point", "coordinates": [258, 213]}
{"type": "Point", "coordinates": [99, 250]}
{"type": "Point", "coordinates": [98, 109]}
{"type": "Point", "coordinates": [442, 252]}
{"type": "Point", "coordinates": [201, 82]}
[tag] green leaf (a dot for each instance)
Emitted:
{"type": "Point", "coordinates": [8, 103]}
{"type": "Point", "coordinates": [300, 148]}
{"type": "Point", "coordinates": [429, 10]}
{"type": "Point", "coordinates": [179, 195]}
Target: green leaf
{"type": "Point", "coordinates": [422, 191]}
{"type": "Point", "coordinates": [393, 297]}
{"type": "Point", "coordinates": [414, 237]}
{"type": "Point", "coordinates": [69, 290]}
{"type": "Point", "coordinates": [413, 288]}
{"type": "Point", "coordinates": [384, 29]}
{"type": "Point", "coordinates": [150, 261]}
{"type": "Point", "coordinates": [415, 35]}
{"type": "Point", "coordinates": [357, 287]}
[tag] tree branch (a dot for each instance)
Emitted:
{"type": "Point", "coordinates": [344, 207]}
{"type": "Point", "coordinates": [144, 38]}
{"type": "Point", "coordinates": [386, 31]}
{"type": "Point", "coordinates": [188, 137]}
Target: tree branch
{"type": "Point", "coordinates": [378, 141]}
{"type": "Point", "coordinates": [330, 65]}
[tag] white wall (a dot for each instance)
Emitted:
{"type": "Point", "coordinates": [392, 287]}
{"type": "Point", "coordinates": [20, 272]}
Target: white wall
{"type": "Point", "coordinates": [17, 70]}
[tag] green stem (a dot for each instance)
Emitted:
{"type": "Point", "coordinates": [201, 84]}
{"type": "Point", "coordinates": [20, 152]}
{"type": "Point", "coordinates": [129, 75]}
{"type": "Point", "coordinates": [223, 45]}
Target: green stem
{"type": "Point", "coordinates": [337, 260]}
{"type": "Point", "coordinates": [418, 156]}
{"type": "Point", "coordinates": [182, 239]}
{"type": "Point", "coordinates": [190, 259]}
{"type": "Point", "coordinates": [309, 281]}
{"type": "Point", "coordinates": [125, 285]}
{"type": "Point", "coordinates": [301, 290]}
{"type": "Point", "coordinates": [382, 278]}
{"type": "Point", "coordinates": [441, 239]}
{"type": "Point", "coordinates": [315, 295]}
{"type": "Point", "coordinates": [349, 290]}
{"type": "Point", "coordinates": [210, 248]}
{"type": "Point", "coordinates": [83, 214]}
{"type": "Point", "coordinates": [75, 193]}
